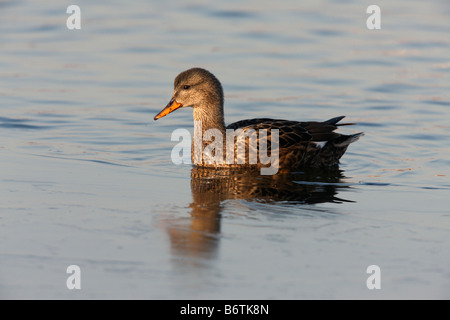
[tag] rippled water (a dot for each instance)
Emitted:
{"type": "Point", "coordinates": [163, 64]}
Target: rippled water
{"type": "Point", "coordinates": [86, 176]}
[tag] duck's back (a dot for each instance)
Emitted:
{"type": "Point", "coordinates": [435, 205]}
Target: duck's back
{"type": "Point", "coordinates": [301, 144]}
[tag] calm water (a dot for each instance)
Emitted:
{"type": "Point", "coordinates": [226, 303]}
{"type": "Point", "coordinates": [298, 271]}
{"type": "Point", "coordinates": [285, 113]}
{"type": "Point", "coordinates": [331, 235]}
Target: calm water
{"type": "Point", "coordinates": [86, 176]}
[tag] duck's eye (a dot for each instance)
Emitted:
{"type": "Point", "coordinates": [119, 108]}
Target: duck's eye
{"type": "Point", "coordinates": [186, 87]}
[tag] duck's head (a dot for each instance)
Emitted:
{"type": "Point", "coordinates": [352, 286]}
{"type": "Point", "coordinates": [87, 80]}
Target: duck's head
{"type": "Point", "coordinates": [197, 88]}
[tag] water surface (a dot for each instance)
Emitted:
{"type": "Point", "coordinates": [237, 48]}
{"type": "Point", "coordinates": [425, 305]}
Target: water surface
{"type": "Point", "coordinates": [86, 176]}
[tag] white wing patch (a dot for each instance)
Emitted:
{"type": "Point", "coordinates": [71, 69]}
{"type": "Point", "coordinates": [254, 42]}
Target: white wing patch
{"type": "Point", "coordinates": [320, 144]}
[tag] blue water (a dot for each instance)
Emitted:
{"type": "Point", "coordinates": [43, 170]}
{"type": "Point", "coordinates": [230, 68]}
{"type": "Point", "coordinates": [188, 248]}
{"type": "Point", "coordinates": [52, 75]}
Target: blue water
{"type": "Point", "coordinates": [86, 176]}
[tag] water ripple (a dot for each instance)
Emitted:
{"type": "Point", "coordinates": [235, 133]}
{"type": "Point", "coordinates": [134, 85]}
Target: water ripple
{"type": "Point", "coordinates": [11, 123]}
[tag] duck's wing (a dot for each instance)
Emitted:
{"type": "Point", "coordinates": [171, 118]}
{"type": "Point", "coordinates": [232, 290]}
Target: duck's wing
{"type": "Point", "coordinates": [301, 144]}
{"type": "Point", "coordinates": [293, 132]}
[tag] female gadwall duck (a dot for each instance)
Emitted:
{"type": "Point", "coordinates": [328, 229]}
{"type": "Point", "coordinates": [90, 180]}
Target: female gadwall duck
{"type": "Point", "coordinates": [300, 144]}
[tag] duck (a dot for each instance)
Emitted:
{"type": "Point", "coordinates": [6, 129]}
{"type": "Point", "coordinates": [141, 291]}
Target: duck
{"type": "Point", "coordinates": [298, 144]}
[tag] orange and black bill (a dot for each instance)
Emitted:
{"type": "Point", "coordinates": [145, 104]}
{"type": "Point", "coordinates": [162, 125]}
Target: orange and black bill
{"type": "Point", "coordinates": [171, 106]}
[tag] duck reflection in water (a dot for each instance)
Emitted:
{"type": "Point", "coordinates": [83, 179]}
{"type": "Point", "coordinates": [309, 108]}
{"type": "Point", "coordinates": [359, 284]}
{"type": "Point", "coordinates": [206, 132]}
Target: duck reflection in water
{"type": "Point", "coordinates": [196, 238]}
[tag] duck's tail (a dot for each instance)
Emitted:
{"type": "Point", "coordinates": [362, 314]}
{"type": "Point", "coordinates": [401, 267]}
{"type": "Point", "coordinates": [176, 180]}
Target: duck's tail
{"type": "Point", "coordinates": [334, 122]}
{"type": "Point", "coordinates": [343, 140]}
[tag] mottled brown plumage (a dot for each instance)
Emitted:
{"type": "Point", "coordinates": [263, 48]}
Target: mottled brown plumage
{"type": "Point", "coordinates": [301, 144]}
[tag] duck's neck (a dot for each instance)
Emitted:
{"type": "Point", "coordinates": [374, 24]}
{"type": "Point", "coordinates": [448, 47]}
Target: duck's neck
{"type": "Point", "coordinates": [209, 117]}
{"type": "Point", "coordinates": [206, 118]}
